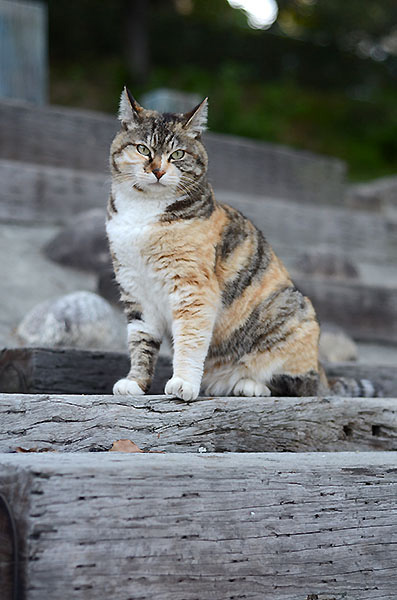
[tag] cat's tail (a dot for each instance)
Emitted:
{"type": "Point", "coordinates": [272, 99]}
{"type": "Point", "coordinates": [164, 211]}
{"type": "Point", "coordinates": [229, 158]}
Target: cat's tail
{"type": "Point", "coordinates": [354, 388]}
{"type": "Point", "coordinates": [349, 387]}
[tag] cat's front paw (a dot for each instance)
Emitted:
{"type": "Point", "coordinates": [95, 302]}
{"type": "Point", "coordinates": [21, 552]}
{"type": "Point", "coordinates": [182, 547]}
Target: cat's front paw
{"type": "Point", "coordinates": [182, 389]}
{"type": "Point", "coordinates": [126, 386]}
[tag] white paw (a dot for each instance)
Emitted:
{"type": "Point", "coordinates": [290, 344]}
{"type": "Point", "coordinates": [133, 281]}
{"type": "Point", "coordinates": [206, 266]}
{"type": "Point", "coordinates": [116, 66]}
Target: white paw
{"type": "Point", "coordinates": [249, 387]}
{"type": "Point", "coordinates": [127, 387]}
{"type": "Point", "coordinates": [182, 389]}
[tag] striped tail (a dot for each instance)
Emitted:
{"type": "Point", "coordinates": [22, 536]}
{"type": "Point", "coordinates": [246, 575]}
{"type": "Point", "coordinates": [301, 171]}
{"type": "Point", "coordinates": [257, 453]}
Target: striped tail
{"type": "Point", "coordinates": [354, 388]}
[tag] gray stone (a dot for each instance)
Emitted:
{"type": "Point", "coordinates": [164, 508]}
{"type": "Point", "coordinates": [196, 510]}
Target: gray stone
{"type": "Point", "coordinates": [77, 320]}
{"type": "Point", "coordinates": [336, 345]}
{"type": "Point", "coordinates": [28, 277]}
{"type": "Point", "coordinates": [82, 243]}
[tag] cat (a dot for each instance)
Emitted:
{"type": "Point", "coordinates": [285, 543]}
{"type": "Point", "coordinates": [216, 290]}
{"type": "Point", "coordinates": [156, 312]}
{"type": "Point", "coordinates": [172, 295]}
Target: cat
{"type": "Point", "coordinates": [200, 272]}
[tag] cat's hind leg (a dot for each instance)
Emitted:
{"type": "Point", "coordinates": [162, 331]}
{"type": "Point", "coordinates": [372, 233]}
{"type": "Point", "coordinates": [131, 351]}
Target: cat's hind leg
{"type": "Point", "coordinates": [300, 373]}
{"type": "Point", "coordinates": [250, 387]}
{"type": "Point", "coordinates": [232, 379]}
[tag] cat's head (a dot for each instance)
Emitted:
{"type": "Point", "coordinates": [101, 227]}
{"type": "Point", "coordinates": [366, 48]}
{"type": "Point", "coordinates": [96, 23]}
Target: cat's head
{"type": "Point", "coordinates": [156, 153]}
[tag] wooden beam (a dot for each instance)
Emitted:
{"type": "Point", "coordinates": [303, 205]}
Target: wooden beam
{"type": "Point", "coordinates": [45, 194]}
{"type": "Point", "coordinates": [367, 313]}
{"type": "Point", "coordinates": [292, 226]}
{"type": "Point", "coordinates": [69, 371]}
{"type": "Point", "coordinates": [183, 527]}
{"type": "Point", "coordinates": [93, 423]}
{"type": "Point", "coordinates": [80, 139]}
{"type": "Point", "coordinates": [52, 194]}
{"type": "Point", "coordinates": [72, 371]}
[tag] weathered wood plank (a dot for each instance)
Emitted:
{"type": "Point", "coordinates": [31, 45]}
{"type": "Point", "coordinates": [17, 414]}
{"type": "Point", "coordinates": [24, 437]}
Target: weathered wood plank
{"type": "Point", "coordinates": [365, 312]}
{"type": "Point", "coordinates": [72, 371]}
{"type": "Point", "coordinates": [189, 527]}
{"type": "Point", "coordinates": [41, 193]}
{"type": "Point", "coordinates": [92, 423]}
{"type": "Point", "coordinates": [56, 136]}
{"type": "Point", "coordinates": [47, 194]}
{"type": "Point", "coordinates": [8, 551]}
{"type": "Point", "coordinates": [69, 371]}
{"type": "Point", "coordinates": [80, 139]}
{"type": "Point", "coordinates": [288, 225]}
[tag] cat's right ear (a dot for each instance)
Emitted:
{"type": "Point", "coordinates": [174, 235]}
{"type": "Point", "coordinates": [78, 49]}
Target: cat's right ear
{"type": "Point", "coordinates": [130, 112]}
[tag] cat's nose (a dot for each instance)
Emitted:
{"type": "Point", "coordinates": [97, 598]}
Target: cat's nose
{"type": "Point", "coordinates": [158, 173]}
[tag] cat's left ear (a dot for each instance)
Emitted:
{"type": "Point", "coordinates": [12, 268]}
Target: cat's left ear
{"type": "Point", "coordinates": [130, 112]}
{"type": "Point", "coordinates": [196, 120]}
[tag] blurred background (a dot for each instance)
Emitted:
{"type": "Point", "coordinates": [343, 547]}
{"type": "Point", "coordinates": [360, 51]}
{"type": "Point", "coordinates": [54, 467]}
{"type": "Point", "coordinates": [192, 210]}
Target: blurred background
{"type": "Point", "coordinates": [319, 75]}
{"type": "Point", "coordinates": [302, 138]}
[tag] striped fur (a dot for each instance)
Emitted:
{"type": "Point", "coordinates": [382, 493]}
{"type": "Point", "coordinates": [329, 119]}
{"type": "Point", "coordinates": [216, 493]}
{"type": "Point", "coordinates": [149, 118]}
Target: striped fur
{"type": "Point", "coordinates": [200, 272]}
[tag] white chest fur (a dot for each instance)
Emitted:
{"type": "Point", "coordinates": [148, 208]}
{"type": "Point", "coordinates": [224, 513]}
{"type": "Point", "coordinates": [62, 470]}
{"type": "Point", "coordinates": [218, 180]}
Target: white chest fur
{"type": "Point", "coordinates": [128, 231]}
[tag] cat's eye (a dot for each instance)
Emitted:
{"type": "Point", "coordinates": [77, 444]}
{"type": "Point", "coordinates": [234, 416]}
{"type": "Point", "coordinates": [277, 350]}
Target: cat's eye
{"type": "Point", "coordinates": [177, 155]}
{"type": "Point", "coordinates": [142, 149]}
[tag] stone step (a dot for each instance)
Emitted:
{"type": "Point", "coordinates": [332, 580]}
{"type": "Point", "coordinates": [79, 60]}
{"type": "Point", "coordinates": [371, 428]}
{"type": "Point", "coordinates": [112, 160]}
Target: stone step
{"type": "Point", "coordinates": [80, 139]}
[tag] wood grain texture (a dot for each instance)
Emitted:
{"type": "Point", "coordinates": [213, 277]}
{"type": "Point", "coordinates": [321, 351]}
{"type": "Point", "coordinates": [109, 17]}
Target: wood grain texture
{"type": "Point", "coordinates": [367, 313]}
{"type": "Point", "coordinates": [291, 225]}
{"type": "Point", "coordinates": [72, 371]}
{"type": "Point", "coordinates": [213, 527]}
{"type": "Point", "coordinates": [92, 423]}
{"type": "Point", "coordinates": [80, 139]}
{"type": "Point", "coordinates": [50, 194]}
{"type": "Point", "coordinates": [8, 551]}
{"type": "Point", "coordinates": [69, 371]}
{"type": "Point", "coordinates": [46, 194]}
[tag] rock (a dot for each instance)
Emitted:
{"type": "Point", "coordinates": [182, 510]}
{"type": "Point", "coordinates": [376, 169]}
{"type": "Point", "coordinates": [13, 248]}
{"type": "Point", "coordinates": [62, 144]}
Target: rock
{"type": "Point", "coordinates": [82, 243]}
{"type": "Point", "coordinates": [326, 264]}
{"type": "Point", "coordinates": [77, 320]}
{"type": "Point", "coordinates": [336, 345]}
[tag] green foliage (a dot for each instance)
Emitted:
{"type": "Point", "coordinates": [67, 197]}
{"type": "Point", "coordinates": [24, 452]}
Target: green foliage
{"type": "Point", "coordinates": [360, 132]}
{"type": "Point", "coordinates": [304, 83]}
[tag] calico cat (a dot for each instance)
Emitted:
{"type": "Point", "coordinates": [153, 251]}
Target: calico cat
{"type": "Point", "coordinates": [199, 271]}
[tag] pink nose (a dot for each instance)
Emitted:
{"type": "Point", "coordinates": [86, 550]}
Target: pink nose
{"type": "Point", "coordinates": [158, 173]}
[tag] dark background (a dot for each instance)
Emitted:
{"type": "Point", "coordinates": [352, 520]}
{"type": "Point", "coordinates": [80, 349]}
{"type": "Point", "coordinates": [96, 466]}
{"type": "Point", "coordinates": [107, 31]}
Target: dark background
{"type": "Point", "coordinates": [322, 77]}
